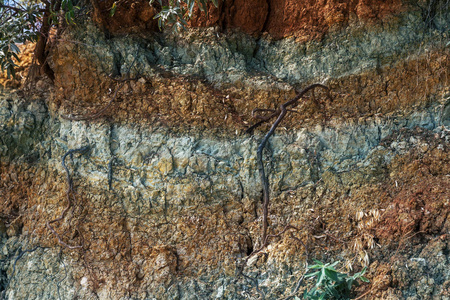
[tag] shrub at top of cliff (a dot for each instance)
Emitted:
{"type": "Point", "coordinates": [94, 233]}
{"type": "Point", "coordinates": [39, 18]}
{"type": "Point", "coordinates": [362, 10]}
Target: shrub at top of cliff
{"type": "Point", "coordinates": [16, 26]}
{"type": "Point", "coordinates": [22, 21]}
{"type": "Point", "coordinates": [41, 21]}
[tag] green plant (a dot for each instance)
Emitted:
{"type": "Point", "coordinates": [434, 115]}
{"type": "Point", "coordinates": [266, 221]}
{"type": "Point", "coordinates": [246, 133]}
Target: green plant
{"type": "Point", "coordinates": [30, 20]}
{"type": "Point", "coordinates": [330, 283]}
{"type": "Point", "coordinates": [33, 20]}
{"type": "Point", "coordinates": [178, 12]}
{"type": "Point", "coordinates": [17, 25]}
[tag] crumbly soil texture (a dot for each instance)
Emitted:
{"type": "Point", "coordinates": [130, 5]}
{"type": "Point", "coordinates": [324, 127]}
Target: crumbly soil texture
{"type": "Point", "coordinates": [133, 175]}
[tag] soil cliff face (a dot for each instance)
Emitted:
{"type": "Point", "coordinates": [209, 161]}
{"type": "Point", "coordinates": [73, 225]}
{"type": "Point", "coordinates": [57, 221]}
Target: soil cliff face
{"type": "Point", "coordinates": [157, 194]}
{"type": "Point", "coordinates": [280, 18]}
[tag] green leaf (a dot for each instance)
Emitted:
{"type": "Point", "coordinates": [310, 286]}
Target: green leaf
{"type": "Point", "coordinates": [331, 274]}
{"type": "Point", "coordinates": [342, 276]}
{"type": "Point", "coordinates": [364, 279]}
{"type": "Point", "coordinates": [312, 274]}
{"type": "Point", "coordinates": [202, 5]}
{"type": "Point", "coordinates": [15, 56]}
{"type": "Point", "coordinates": [191, 4]}
{"type": "Point", "coordinates": [349, 284]}
{"type": "Point", "coordinates": [318, 261]}
{"type": "Point", "coordinates": [361, 272]}
{"type": "Point", "coordinates": [321, 277]}
{"type": "Point", "coordinates": [332, 291]}
{"type": "Point", "coordinates": [11, 72]}
{"type": "Point", "coordinates": [14, 48]}
{"type": "Point", "coordinates": [112, 11]}
{"type": "Point", "coordinates": [315, 267]}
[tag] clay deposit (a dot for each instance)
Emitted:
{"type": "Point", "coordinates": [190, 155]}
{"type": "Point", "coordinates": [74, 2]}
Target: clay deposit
{"type": "Point", "coordinates": [166, 202]}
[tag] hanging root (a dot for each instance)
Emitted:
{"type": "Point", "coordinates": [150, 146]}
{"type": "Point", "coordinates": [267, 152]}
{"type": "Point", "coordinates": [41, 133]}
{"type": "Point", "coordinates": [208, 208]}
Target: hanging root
{"type": "Point", "coordinates": [68, 193]}
{"type": "Point", "coordinates": [281, 113]}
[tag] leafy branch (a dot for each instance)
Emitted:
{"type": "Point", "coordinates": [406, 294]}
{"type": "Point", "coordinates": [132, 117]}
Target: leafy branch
{"type": "Point", "coordinates": [30, 21]}
{"type": "Point", "coordinates": [176, 13]}
{"type": "Point", "coordinates": [17, 25]}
